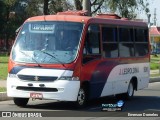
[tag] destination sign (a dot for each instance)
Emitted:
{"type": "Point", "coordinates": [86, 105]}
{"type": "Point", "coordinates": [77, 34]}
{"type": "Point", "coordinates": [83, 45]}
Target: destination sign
{"type": "Point", "coordinates": [42, 27]}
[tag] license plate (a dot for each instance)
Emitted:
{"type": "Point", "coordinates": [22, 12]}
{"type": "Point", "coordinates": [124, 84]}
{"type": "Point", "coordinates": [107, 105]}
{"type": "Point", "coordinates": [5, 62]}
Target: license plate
{"type": "Point", "coordinates": [36, 95]}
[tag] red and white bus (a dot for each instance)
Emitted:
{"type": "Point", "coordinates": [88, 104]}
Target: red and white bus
{"type": "Point", "coordinates": [73, 57]}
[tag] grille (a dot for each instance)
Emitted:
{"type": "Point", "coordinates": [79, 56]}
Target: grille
{"type": "Point", "coordinates": [40, 89]}
{"type": "Point", "coordinates": [37, 78]}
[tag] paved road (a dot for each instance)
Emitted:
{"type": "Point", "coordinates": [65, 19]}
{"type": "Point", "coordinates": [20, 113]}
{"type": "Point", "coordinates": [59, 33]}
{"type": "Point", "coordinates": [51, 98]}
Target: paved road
{"type": "Point", "coordinates": [145, 101]}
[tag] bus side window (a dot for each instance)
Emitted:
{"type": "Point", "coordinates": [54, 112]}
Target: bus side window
{"type": "Point", "coordinates": [92, 44]}
{"type": "Point", "coordinates": [109, 40]}
{"type": "Point", "coordinates": [141, 41]}
{"type": "Point", "coordinates": [126, 44]}
{"type": "Point", "coordinates": [88, 45]}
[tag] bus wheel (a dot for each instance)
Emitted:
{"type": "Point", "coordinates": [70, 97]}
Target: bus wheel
{"type": "Point", "coordinates": [22, 102]}
{"type": "Point", "coordinates": [81, 98]}
{"type": "Point", "coordinates": [130, 91]}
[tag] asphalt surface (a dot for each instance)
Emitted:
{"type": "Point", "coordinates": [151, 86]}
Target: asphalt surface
{"type": "Point", "coordinates": [146, 101]}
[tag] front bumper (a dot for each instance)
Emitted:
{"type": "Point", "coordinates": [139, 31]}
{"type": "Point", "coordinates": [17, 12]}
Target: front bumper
{"type": "Point", "coordinates": [66, 90]}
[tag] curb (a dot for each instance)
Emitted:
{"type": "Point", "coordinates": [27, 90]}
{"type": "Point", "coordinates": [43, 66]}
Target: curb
{"type": "Point", "coordinates": [154, 79]}
{"type": "Point", "coordinates": [4, 97]}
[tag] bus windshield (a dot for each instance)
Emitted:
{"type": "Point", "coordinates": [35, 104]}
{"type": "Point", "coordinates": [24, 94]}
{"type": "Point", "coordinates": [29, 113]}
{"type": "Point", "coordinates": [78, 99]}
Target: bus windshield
{"type": "Point", "coordinates": [47, 42]}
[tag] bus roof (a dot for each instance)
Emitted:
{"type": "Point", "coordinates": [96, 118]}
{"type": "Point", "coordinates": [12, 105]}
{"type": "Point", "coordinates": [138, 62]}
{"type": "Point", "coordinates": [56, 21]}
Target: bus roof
{"type": "Point", "coordinates": [101, 19]}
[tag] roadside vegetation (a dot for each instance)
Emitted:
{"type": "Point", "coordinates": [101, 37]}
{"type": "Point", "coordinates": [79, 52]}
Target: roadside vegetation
{"type": "Point", "coordinates": [3, 89]}
{"type": "Point", "coordinates": [3, 66]}
{"type": "Point", "coordinates": [155, 65]}
{"type": "Point", "coordinates": [155, 62]}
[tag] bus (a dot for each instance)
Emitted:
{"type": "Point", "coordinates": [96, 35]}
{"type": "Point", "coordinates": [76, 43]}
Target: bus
{"type": "Point", "coordinates": [73, 57]}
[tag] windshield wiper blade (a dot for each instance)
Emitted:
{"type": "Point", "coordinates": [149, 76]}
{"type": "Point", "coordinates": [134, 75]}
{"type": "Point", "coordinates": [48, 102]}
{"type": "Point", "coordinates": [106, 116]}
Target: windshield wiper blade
{"type": "Point", "coordinates": [31, 58]}
{"type": "Point", "coordinates": [53, 57]}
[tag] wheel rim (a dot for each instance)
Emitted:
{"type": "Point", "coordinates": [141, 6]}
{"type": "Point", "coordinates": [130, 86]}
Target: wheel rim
{"type": "Point", "coordinates": [81, 97]}
{"type": "Point", "coordinates": [130, 89]}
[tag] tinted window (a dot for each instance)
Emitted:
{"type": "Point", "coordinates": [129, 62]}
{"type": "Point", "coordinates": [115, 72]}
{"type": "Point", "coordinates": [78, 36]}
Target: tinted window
{"type": "Point", "coordinates": [126, 44]}
{"type": "Point", "coordinates": [125, 35]}
{"type": "Point", "coordinates": [110, 43]}
{"type": "Point", "coordinates": [109, 34]}
{"type": "Point", "coordinates": [124, 41]}
{"type": "Point", "coordinates": [92, 49]}
{"type": "Point", "coordinates": [141, 49]}
{"type": "Point", "coordinates": [141, 42]}
{"type": "Point", "coordinates": [110, 50]}
{"type": "Point", "coordinates": [141, 35]}
{"type": "Point", "coordinates": [92, 43]}
{"type": "Point", "coordinates": [126, 50]}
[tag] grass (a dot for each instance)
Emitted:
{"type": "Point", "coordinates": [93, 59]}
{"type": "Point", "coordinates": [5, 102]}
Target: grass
{"type": "Point", "coordinates": [3, 67]}
{"type": "Point", "coordinates": [154, 66]}
{"type": "Point", "coordinates": [155, 62]}
{"type": "Point", "coordinates": [3, 89]}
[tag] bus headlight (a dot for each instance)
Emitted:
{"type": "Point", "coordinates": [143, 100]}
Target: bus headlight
{"type": "Point", "coordinates": [69, 78]}
{"type": "Point", "coordinates": [12, 75]}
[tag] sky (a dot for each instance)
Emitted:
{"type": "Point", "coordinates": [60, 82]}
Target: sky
{"type": "Point", "coordinates": [154, 4]}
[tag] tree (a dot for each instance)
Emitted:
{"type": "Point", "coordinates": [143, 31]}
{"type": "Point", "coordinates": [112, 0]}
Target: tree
{"type": "Point", "coordinates": [14, 12]}
{"type": "Point", "coordinates": [45, 7]}
{"type": "Point", "coordinates": [34, 8]}
{"type": "Point", "coordinates": [78, 4]}
{"type": "Point", "coordinates": [125, 8]}
{"type": "Point", "coordinates": [2, 18]}
{"type": "Point", "coordinates": [8, 7]}
{"type": "Point", "coordinates": [59, 6]}
{"type": "Point", "coordinates": [95, 5]}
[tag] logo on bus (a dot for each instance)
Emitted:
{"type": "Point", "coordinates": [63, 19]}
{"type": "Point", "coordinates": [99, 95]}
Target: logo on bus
{"type": "Point", "coordinates": [36, 78]}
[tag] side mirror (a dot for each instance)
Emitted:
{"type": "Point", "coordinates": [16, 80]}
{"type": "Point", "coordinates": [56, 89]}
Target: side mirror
{"type": "Point", "coordinates": [17, 31]}
{"type": "Point", "coordinates": [93, 29]}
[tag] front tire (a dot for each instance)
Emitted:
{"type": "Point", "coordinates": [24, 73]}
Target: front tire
{"type": "Point", "coordinates": [21, 102]}
{"type": "Point", "coordinates": [81, 98]}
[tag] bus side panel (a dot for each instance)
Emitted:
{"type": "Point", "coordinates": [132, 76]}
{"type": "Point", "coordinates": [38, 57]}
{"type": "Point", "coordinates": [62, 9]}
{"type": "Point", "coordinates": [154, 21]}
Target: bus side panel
{"type": "Point", "coordinates": [97, 73]}
{"type": "Point", "coordinates": [144, 80]}
{"type": "Point", "coordinates": [121, 75]}
{"type": "Point", "coordinates": [110, 78]}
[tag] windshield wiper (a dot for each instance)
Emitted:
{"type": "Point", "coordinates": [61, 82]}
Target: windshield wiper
{"type": "Point", "coordinates": [53, 57]}
{"type": "Point", "coordinates": [31, 58]}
